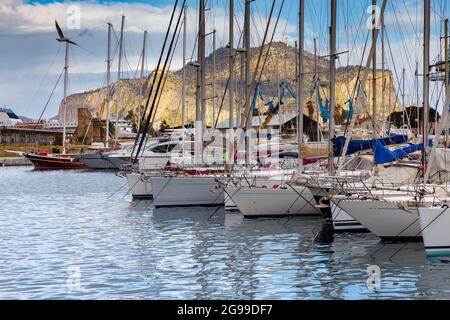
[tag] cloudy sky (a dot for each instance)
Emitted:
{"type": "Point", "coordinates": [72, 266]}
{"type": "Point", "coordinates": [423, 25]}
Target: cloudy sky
{"type": "Point", "coordinates": [31, 59]}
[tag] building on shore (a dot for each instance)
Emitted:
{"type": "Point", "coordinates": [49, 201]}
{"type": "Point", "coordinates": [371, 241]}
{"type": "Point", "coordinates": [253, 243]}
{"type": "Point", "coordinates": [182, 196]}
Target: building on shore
{"type": "Point", "coordinates": [29, 136]}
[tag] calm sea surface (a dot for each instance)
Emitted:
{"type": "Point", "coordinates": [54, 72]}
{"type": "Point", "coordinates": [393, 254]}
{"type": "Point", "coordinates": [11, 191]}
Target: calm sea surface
{"type": "Point", "coordinates": [77, 235]}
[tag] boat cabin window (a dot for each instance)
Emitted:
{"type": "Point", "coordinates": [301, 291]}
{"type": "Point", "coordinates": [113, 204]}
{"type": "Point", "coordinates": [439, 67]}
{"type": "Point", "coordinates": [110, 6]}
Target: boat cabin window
{"type": "Point", "coordinates": [170, 147]}
{"type": "Point", "coordinates": [160, 149]}
{"type": "Point", "coordinates": [164, 148]}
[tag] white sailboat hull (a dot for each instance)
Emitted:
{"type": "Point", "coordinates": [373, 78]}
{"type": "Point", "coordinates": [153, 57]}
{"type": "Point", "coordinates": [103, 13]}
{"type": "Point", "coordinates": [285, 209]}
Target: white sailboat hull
{"type": "Point", "coordinates": [260, 202]}
{"type": "Point", "coordinates": [435, 226]}
{"type": "Point", "coordinates": [186, 191]}
{"type": "Point", "coordinates": [119, 162]}
{"type": "Point", "coordinates": [386, 219]}
{"type": "Point", "coordinates": [259, 179]}
{"type": "Point", "coordinates": [139, 186]}
{"type": "Point", "coordinates": [343, 222]}
{"type": "Point", "coordinates": [96, 161]}
{"type": "Point", "coordinates": [229, 204]}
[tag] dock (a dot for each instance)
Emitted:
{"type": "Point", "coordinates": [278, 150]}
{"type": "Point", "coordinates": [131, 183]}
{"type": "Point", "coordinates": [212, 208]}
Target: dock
{"type": "Point", "coordinates": [14, 161]}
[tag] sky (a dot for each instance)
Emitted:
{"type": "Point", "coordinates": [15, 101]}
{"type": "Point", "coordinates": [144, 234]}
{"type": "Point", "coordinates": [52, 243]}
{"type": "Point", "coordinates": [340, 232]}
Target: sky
{"type": "Point", "coordinates": [31, 59]}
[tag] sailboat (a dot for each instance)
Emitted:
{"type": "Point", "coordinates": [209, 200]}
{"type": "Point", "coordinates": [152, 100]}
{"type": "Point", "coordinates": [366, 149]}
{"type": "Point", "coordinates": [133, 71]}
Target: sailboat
{"type": "Point", "coordinates": [435, 218]}
{"type": "Point", "coordinates": [99, 160]}
{"type": "Point", "coordinates": [411, 211]}
{"type": "Point", "coordinates": [258, 201]}
{"type": "Point", "coordinates": [434, 226]}
{"type": "Point", "coordinates": [196, 186]}
{"type": "Point", "coordinates": [47, 161]}
{"type": "Point", "coordinates": [290, 199]}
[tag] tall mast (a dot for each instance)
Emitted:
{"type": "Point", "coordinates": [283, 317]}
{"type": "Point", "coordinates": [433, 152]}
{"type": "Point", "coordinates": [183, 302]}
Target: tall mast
{"type": "Point", "coordinates": [300, 87]}
{"type": "Point", "coordinates": [231, 64]}
{"type": "Point", "coordinates": [359, 97]}
{"type": "Point", "coordinates": [445, 113]}
{"type": "Point", "coordinates": [383, 80]}
{"type": "Point", "coordinates": [426, 79]}
{"type": "Point", "coordinates": [108, 85]}
{"type": "Point", "coordinates": [200, 92]}
{"type": "Point", "coordinates": [446, 69]}
{"type": "Point", "coordinates": [119, 71]}
{"type": "Point", "coordinates": [198, 115]}
{"type": "Point", "coordinates": [183, 93]}
{"type": "Point", "coordinates": [144, 47]}
{"type": "Point", "coordinates": [317, 87]}
{"type": "Point", "coordinates": [214, 80]}
{"type": "Point", "coordinates": [285, 58]}
{"type": "Point", "coordinates": [332, 86]}
{"type": "Point", "coordinates": [446, 56]}
{"type": "Point", "coordinates": [417, 98]}
{"type": "Point", "coordinates": [202, 63]}
{"type": "Point", "coordinates": [66, 82]}
{"type": "Point", "coordinates": [390, 100]}
{"type": "Point", "coordinates": [241, 86]}
{"type": "Point", "coordinates": [62, 38]}
{"type": "Point", "coordinates": [374, 75]}
{"type": "Point", "coordinates": [247, 75]}
{"type": "Point", "coordinates": [403, 94]}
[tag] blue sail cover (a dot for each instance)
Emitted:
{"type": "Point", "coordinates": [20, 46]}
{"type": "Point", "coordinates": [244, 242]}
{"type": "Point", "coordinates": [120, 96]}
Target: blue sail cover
{"type": "Point", "coordinates": [384, 155]}
{"type": "Point", "coordinates": [360, 145]}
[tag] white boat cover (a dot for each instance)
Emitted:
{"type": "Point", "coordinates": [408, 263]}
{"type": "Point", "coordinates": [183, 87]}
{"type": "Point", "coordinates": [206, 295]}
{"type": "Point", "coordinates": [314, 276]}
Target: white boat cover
{"type": "Point", "coordinates": [441, 161]}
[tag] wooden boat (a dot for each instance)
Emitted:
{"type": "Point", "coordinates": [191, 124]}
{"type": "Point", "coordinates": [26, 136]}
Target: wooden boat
{"type": "Point", "coordinates": [48, 161]}
{"type": "Point", "coordinates": [45, 161]}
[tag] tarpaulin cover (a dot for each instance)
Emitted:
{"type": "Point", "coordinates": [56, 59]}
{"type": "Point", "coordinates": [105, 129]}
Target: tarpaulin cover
{"type": "Point", "coordinates": [360, 145]}
{"type": "Point", "coordinates": [384, 155]}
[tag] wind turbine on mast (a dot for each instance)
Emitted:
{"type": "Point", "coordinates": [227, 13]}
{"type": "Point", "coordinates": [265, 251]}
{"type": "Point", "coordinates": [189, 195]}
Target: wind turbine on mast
{"type": "Point", "coordinates": [67, 41]}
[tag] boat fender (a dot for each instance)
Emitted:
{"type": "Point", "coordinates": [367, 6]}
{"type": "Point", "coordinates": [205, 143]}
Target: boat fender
{"type": "Point", "coordinates": [321, 204]}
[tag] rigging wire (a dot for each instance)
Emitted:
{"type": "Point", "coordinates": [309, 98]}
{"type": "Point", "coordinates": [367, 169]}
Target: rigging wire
{"type": "Point", "coordinates": [152, 108]}
{"type": "Point", "coordinates": [48, 101]}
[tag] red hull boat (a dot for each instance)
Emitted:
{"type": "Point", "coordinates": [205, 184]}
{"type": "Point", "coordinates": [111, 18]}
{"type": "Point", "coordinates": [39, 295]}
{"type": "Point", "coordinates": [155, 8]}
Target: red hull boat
{"type": "Point", "coordinates": [43, 161]}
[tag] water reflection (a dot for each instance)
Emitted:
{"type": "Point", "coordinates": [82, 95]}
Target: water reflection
{"type": "Point", "coordinates": [129, 250]}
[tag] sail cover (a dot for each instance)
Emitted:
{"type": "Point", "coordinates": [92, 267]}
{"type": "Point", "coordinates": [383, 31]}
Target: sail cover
{"type": "Point", "coordinates": [441, 161]}
{"type": "Point", "coordinates": [384, 155]}
{"type": "Point", "coordinates": [360, 145]}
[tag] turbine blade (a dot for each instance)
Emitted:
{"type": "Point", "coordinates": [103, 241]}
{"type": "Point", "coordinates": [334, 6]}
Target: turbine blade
{"type": "Point", "coordinates": [70, 41]}
{"type": "Point", "coordinates": [60, 33]}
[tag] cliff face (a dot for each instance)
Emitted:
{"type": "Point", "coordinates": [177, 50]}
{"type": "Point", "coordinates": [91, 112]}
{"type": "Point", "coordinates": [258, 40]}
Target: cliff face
{"type": "Point", "coordinates": [280, 66]}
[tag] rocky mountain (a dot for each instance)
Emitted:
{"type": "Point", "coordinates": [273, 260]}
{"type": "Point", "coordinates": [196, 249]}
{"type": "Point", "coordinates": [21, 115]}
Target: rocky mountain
{"type": "Point", "coordinates": [280, 65]}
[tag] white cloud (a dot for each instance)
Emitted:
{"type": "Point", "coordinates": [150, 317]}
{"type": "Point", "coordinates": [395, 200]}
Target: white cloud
{"type": "Point", "coordinates": [29, 48]}
{"type": "Point", "coordinates": [20, 17]}
{"type": "Point", "coordinates": [32, 59]}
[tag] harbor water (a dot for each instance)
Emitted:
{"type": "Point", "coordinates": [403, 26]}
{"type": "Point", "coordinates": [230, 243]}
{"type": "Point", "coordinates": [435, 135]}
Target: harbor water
{"type": "Point", "coordinates": [79, 235]}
